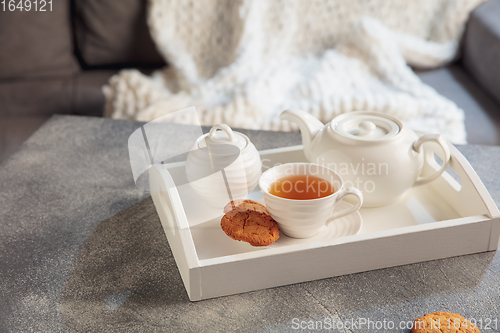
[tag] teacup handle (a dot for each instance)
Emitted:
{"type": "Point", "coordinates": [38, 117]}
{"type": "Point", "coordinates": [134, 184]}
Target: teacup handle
{"type": "Point", "coordinates": [347, 191]}
{"type": "Point", "coordinates": [436, 138]}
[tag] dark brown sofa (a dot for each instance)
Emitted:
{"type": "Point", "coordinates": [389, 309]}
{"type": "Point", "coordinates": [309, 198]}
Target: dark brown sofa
{"type": "Point", "coordinates": [56, 62]}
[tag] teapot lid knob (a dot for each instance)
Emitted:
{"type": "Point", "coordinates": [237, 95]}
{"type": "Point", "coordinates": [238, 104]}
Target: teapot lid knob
{"type": "Point", "coordinates": [366, 127]}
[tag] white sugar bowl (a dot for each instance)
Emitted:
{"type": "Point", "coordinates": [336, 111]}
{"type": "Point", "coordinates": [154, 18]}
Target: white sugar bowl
{"type": "Point", "coordinates": [223, 165]}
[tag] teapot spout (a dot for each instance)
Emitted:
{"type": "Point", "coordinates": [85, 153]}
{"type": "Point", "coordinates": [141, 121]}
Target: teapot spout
{"type": "Point", "coordinates": [308, 125]}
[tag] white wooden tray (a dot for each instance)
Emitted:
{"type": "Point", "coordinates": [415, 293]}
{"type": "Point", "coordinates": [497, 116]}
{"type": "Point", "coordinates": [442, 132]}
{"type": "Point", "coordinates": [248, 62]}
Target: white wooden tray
{"type": "Point", "coordinates": [442, 219]}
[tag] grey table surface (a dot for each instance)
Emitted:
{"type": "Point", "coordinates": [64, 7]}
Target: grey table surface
{"type": "Point", "coordinates": [82, 249]}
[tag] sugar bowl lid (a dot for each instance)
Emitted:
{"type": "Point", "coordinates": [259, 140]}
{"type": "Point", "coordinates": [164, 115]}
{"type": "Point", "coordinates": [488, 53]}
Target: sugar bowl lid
{"type": "Point", "coordinates": [366, 126]}
{"type": "Point", "coordinates": [225, 136]}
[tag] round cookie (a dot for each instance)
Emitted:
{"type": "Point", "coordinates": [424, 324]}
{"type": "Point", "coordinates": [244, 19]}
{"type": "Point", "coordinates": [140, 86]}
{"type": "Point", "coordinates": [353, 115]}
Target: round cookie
{"type": "Point", "coordinates": [443, 322]}
{"type": "Point", "coordinates": [250, 222]}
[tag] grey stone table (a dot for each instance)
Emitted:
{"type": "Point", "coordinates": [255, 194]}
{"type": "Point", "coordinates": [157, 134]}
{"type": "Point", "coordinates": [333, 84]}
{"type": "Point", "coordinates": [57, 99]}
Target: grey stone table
{"type": "Point", "coordinates": [82, 249]}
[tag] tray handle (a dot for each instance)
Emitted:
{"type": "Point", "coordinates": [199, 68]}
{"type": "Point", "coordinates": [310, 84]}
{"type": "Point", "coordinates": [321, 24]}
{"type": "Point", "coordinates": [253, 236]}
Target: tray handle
{"type": "Point", "coordinates": [469, 197]}
{"type": "Point", "coordinates": [166, 199]}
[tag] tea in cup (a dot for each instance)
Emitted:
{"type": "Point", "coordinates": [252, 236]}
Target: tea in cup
{"type": "Point", "coordinates": [302, 197]}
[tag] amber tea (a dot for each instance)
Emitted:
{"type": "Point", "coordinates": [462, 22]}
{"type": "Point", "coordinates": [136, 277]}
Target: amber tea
{"type": "Point", "coordinates": [301, 187]}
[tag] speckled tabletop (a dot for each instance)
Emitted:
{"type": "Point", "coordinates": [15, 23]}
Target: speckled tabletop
{"type": "Point", "coordinates": [82, 249]}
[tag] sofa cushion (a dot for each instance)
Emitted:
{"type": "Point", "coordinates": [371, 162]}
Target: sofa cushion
{"type": "Point", "coordinates": [481, 55]}
{"type": "Point", "coordinates": [88, 96]}
{"type": "Point", "coordinates": [482, 113]}
{"type": "Point", "coordinates": [37, 44]}
{"type": "Point", "coordinates": [114, 33]}
{"type": "Point", "coordinates": [36, 97]}
{"type": "Point", "coordinates": [79, 94]}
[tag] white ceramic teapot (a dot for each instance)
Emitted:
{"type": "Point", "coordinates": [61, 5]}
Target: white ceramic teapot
{"type": "Point", "coordinates": [372, 151]}
{"type": "Point", "coordinates": [223, 165]}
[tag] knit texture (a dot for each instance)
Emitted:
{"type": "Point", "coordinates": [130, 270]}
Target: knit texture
{"type": "Point", "coordinates": [242, 62]}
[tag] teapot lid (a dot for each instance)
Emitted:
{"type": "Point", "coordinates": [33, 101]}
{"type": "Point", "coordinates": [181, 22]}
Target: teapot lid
{"type": "Point", "coordinates": [225, 136]}
{"type": "Point", "coordinates": [366, 126]}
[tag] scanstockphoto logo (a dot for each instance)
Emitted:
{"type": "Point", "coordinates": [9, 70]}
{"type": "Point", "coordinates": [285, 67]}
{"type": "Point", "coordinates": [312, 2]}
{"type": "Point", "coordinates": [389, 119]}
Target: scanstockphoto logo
{"type": "Point", "coordinates": [359, 174]}
{"type": "Point", "coordinates": [341, 325]}
{"type": "Point", "coordinates": [304, 178]}
{"type": "Point", "coordinates": [365, 324]}
{"type": "Point", "coordinates": [360, 323]}
{"type": "Point", "coordinates": [152, 143]}
{"type": "Point", "coordinates": [214, 171]}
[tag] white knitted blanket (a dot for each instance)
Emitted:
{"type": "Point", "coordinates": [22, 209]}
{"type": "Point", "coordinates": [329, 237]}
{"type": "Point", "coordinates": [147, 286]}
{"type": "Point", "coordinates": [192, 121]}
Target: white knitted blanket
{"type": "Point", "coordinates": [242, 62]}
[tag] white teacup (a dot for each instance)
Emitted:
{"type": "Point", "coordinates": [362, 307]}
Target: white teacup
{"type": "Point", "coordinates": [304, 218]}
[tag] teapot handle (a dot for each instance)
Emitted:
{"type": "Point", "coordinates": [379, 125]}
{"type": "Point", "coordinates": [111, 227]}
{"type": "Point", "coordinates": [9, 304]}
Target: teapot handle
{"type": "Point", "coordinates": [436, 138]}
